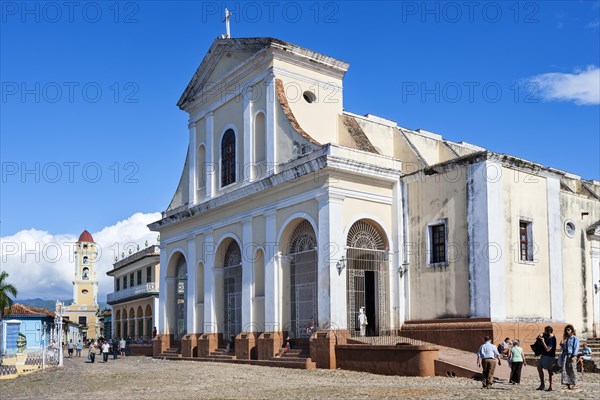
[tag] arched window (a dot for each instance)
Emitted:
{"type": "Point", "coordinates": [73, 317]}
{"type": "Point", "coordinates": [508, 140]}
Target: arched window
{"type": "Point", "coordinates": [259, 138]}
{"type": "Point", "coordinates": [228, 158]}
{"type": "Point", "coordinates": [201, 170]}
{"type": "Point", "coordinates": [86, 273]}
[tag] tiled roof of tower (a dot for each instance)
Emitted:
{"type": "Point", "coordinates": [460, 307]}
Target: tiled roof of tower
{"type": "Point", "coordinates": [86, 237]}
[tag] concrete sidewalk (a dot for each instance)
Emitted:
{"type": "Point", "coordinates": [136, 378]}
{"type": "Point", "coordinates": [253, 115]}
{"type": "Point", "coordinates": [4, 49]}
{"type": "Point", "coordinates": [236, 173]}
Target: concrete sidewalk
{"type": "Point", "coordinates": [468, 360]}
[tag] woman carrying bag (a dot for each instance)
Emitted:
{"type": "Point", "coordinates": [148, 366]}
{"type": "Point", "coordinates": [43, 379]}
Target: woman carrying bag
{"type": "Point", "coordinates": [517, 360]}
{"type": "Point", "coordinates": [570, 348]}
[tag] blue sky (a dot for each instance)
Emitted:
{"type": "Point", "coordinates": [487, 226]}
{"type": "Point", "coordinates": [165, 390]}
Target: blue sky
{"type": "Point", "coordinates": [93, 90]}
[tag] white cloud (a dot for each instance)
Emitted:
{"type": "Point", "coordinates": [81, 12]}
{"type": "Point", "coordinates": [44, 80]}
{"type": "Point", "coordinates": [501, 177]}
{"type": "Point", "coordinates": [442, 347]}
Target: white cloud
{"type": "Point", "coordinates": [41, 264]}
{"type": "Point", "coordinates": [581, 87]}
{"type": "Point", "coordinates": [595, 24]}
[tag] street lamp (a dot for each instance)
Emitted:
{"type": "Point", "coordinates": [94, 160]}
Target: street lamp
{"type": "Point", "coordinates": [59, 323]}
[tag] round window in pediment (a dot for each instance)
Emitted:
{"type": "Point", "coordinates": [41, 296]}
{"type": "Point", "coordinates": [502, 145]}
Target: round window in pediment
{"type": "Point", "coordinates": [84, 291]}
{"type": "Point", "coordinates": [570, 228]}
{"type": "Point", "coordinates": [309, 97]}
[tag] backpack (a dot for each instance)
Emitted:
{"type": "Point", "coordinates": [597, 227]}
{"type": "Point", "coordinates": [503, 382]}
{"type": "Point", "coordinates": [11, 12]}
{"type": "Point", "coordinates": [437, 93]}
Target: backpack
{"type": "Point", "coordinates": [538, 347]}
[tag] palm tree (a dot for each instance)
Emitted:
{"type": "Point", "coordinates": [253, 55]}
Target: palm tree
{"type": "Point", "coordinates": [5, 301]}
{"type": "Point", "coordinates": [6, 289]}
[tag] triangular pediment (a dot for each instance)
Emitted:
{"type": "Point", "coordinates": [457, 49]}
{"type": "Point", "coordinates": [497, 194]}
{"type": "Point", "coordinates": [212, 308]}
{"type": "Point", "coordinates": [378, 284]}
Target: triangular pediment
{"type": "Point", "coordinates": [224, 56]}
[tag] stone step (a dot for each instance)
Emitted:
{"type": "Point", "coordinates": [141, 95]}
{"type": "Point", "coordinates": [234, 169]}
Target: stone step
{"type": "Point", "coordinates": [168, 356]}
{"type": "Point", "coordinates": [289, 359]}
{"type": "Point", "coordinates": [221, 356]}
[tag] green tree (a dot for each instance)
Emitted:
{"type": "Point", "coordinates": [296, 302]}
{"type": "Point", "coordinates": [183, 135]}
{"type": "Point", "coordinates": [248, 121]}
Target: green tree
{"type": "Point", "coordinates": [6, 289]}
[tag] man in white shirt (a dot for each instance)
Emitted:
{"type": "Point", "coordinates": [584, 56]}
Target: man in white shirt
{"type": "Point", "coordinates": [105, 351]}
{"type": "Point", "coordinates": [486, 359]}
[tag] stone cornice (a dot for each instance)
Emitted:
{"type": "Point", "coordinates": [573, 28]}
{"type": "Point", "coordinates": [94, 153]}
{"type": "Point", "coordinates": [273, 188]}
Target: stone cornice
{"type": "Point", "coordinates": [328, 157]}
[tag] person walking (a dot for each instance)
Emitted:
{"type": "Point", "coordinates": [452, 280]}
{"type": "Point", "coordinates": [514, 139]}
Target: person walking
{"type": "Point", "coordinates": [486, 359]}
{"type": "Point", "coordinates": [570, 348]}
{"type": "Point", "coordinates": [92, 352]}
{"type": "Point", "coordinates": [70, 348]}
{"type": "Point", "coordinates": [517, 361]}
{"type": "Point", "coordinates": [546, 361]}
{"type": "Point", "coordinates": [115, 348]}
{"type": "Point", "coordinates": [78, 348]}
{"type": "Point", "coordinates": [105, 351]}
{"type": "Point", "coordinates": [122, 345]}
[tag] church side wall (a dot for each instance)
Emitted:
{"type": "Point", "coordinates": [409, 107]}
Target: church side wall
{"type": "Point", "coordinates": [527, 283]}
{"type": "Point", "coordinates": [577, 261]}
{"type": "Point", "coordinates": [438, 291]}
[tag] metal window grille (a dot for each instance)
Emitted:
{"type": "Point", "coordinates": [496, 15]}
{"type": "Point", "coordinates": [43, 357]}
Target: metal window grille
{"type": "Point", "coordinates": [438, 243]}
{"type": "Point", "coordinates": [303, 279]}
{"type": "Point", "coordinates": [232, 291]}
{"type": "Point", "coordinates": [228, 158]}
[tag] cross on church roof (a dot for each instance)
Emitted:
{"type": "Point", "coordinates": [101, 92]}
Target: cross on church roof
{"type": "Point", "coordinates": [227, 35]}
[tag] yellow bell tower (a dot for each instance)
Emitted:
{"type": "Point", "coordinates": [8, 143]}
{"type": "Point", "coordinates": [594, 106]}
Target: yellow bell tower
{"type": "Point", "coordinates": [84, 308]}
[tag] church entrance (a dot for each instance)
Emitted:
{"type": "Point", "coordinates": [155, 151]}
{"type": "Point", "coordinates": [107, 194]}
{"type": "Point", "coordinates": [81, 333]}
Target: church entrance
{"type": "Point", "coordinates": [232, 291]}
{"type": "Point", "coordinates": [368, 284]}
{"type": "Point", "coordinates": [303, 280]}
{"type": "Point", "coordinates": [180, 301]}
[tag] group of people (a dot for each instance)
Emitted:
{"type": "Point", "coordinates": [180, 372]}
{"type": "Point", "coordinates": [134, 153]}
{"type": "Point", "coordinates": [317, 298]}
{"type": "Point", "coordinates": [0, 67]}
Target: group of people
{"type": "Point", "coordinates": [570, 355]}
{"type": "Point", "coordinates": [116, 347]}
{"type": "Point", "coordinates": [77, 346]}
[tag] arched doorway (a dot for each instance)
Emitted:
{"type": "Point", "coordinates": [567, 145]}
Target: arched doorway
{"type": "Point", "coordinates": [232, 291]}
{"type": "Point", "coordinates": [302, 256]}
{"type": "Point", "coordinates": [180, 299]}
{"type": "Point", "coordinates": [368, 277]}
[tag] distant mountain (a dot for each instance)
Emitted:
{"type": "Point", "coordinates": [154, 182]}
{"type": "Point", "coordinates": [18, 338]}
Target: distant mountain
{"type": "Point", "coordinates": [49, 304]}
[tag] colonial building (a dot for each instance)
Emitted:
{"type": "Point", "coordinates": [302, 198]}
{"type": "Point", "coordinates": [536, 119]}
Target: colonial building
{"type": "Point", "coordinates": [84, 309]}
{"type": "Point", "coordinates": [135, 296]}
{"type": "Point", "coordinates": [292, 210]}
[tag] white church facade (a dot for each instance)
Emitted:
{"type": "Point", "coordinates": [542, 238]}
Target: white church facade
{"type": "Point", "coordinates": [292, 210]}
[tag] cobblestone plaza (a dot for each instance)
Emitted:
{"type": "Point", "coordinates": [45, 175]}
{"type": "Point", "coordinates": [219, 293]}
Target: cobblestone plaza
{"type": "Point", "coordinates": [147, 378]}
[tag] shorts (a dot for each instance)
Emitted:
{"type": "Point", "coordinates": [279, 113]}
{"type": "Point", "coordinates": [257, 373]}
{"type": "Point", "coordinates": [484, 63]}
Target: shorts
{"type": "Point", "coordinates": [546, 362]}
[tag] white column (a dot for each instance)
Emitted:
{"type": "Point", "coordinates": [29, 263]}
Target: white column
{"type": "Point", "coordinates": [272, 297]}
{"type": "Point", "coordinates": [331, 285]}
{"type": "Point", "coordinates": [555, 230]}
{"type": "Point", "coordinates": [271, 122]}
{"type": "Point", "coordinates": [211, 168]}
{"type": "Point", "coordinates": [247, 167]}
{"type": "Point", "coordinates": [397, 282]}
{"type": "Point", "coordinates": [160, 310]}
{"type": "Point", "coordinates": [485, 220]}
{"type": "Point", "coordinates": [247, 264]}
{"type": "Point", "coordinates": [192, 167]}
{"type": "Point", "coordinates": [209, 304]}
{"type": "Point", "coordinates": [596, 281]}
{"type": "Point", "coordinates": [190, 294]}
{"type": "Point", "coordinates": [155, 308]}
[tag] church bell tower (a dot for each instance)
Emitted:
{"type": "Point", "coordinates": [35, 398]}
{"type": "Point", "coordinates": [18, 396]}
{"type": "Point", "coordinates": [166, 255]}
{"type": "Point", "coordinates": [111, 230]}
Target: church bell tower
{"type": "Point", "coordinates": [83, 310]}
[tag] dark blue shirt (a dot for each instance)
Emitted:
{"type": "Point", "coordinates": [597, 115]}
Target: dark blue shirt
{"type": "Point", "coordinates": [551, 344]}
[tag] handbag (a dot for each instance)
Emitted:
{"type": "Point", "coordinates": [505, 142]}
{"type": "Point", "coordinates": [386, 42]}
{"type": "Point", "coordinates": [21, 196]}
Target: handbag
{"type": "Point", "coordinates": [537, 347]}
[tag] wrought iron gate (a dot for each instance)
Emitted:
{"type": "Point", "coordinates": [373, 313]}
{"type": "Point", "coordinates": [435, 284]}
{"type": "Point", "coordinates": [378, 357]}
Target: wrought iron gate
{"type": "Point", "coordinates": [303, 279]}
{"type": "Point", "coordinates": [368, 285]}
{"type": "Point", "coordinates": [232, 292]}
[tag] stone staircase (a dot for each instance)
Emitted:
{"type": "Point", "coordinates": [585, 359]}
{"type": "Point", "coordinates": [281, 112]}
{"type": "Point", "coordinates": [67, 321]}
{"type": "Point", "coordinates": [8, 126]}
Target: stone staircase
{"type": "Point", "coordinates": [171, 353]}
{"type": "Point", "coordinates": [298, 357]}
{"type": "Point", "coordinates": [222, 354]}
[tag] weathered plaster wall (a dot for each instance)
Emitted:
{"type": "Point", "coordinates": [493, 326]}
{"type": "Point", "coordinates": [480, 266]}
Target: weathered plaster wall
{"type": "Point", "coordinates": [438, 292]}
